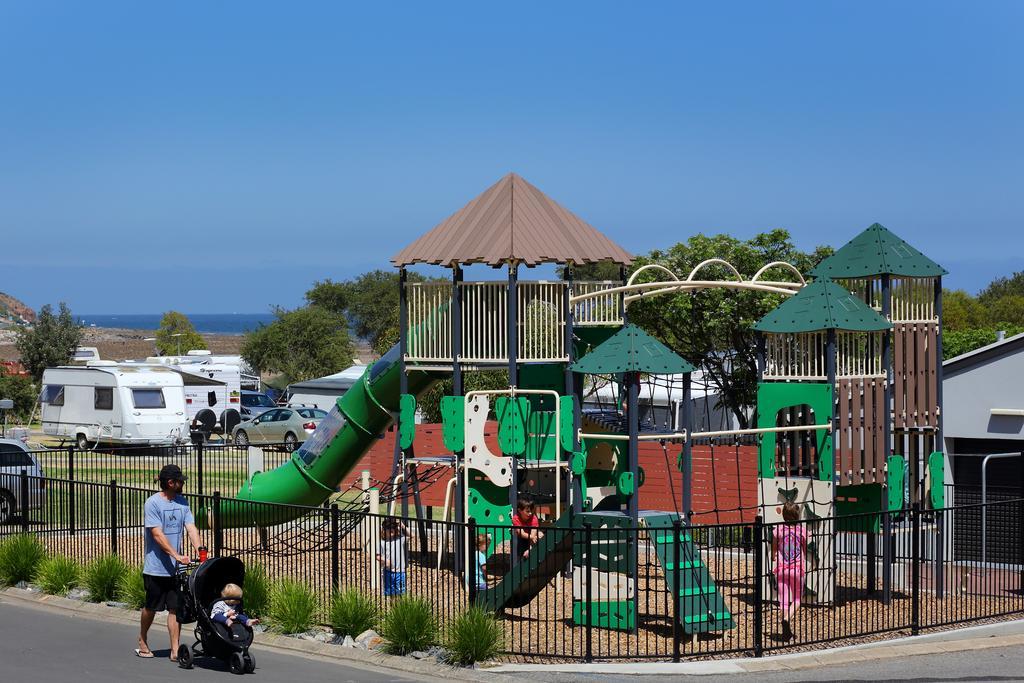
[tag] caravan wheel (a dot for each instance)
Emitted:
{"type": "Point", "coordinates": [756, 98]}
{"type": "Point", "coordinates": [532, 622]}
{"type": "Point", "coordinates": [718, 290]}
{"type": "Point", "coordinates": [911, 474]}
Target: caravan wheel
{"type": "Point", "coordinates": [82, 442]}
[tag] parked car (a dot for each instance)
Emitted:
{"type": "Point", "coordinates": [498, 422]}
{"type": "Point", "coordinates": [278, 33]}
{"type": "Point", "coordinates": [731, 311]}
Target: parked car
{"type": "Point", "coordinates": [254, 403]}
{"type": "Point", "coordinates": [15, 457]}
{"type": "Point", "coordinates": [288, 426]}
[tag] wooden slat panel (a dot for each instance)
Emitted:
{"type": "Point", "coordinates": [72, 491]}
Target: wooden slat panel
{"type": "Point", "coordinates": [932, 366]}
{"type": "Point", "coordinates": [920, 368]}
{"type": "Point", "coordinates": [867, 461]}
{"type": "Point", "coordinates": [856, 434]}
{"type": "Point", "coordinates": [881, 449]}
{"type": "Point", "coordinates": [899, 368]}
{"type": "Point", "coordinates": [845, 454]}
{"type": "Point", "coordinates": [910, 379]}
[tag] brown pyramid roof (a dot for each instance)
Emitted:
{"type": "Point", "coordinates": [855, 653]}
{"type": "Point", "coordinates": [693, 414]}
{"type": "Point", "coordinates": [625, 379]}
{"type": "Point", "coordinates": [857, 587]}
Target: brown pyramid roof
{"type": "Point", "coordinates": [512, 221]}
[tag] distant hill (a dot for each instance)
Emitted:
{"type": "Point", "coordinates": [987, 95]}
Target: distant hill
{"type": "Point", "coordinates": [14, 311]}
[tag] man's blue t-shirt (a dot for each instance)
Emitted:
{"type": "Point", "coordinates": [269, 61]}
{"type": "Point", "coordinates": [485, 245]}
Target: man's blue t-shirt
{"type": "Point", "coordinates": [171, 516]}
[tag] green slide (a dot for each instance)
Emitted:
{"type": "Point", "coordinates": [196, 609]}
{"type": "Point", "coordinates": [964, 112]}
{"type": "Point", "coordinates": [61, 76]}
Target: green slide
{"type": "Point", "coordinates": [328, 455]}
{"type": "Point", "coordinates": [528, 577]}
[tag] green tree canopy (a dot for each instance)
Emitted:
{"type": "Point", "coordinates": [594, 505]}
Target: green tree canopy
{"type": "Point", "coordinates": [329, 294]}
{"type": "Point", "coordinates": [176, 335]}
{"type": "Point", "coordinates": [1006, 310]}
{"type": "Point", "coordinates": [301, 344]}
{"type": "Point", "coordinates": [1003, 286]}
{"type": "Point", "coordinates": [50, 342]}
{"type": "Point", "coordinates": [961, 311]}
{"type": "Point", "coordinates": [22, 391]}
{"type": "Point", "coordinates": [713, 328]}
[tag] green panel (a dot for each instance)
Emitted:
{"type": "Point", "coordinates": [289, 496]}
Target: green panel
{"type": "Point", "coordinates": [567, 420]}
{"type": "Point", "coordinates": [610, 533]}
{"type": "Point", "coordinates": [937, 477]}
{"type": "Point", "coordinates": [773, 397]}
{"type": "Point", "coordinates": [453, 423]}
{"type": "Point", "coordinates": [626, 484]}
{"type": "Point", "coordinates": [894, 481]}
{"type": "Point", "coordinates": [540, 439]}
{"type": "Point", "coordinates": [586, 339]}
{"type": "Point", "coordinates": [488, 505]}
{"type": "Point", "coordinates": [578, 463]}
{"type": "Point", "coordinates": [822, 305]}
{"type": "Point", "coordinates": [858, 500]}
{"type": "Point", "coordinates": [619, 614]}
{"type": "Point", "coordinates": [547, 376]}
{"type": "Point", "coordinates": [632, 350]}
{"type": "Point", "coordinates": [513, 414]}
{"type": "Point", "coordinates": [407, 424]}
{"type": "Point", "coordinates": [877, 251]}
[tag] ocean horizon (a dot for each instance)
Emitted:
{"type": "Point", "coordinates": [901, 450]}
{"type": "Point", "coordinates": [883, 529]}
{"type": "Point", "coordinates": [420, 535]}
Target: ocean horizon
{"type": "Point", "coordinates": [205, 323]}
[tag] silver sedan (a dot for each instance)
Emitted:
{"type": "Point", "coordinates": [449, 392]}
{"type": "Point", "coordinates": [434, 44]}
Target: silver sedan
{"type": "Point", "coordinates": [288, 426]}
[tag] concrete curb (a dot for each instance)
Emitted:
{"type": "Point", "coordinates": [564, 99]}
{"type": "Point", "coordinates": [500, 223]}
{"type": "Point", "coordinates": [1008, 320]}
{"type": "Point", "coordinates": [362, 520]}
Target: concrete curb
{"type": "Point", "coordinates": [961, 640]}
{"type": "Point", "coordinates": [427, 670]}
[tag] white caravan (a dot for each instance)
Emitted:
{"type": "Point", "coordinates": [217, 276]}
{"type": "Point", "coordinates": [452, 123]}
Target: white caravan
{"type": "Point", "coordinates": [248, 378]}
{"type": "Point", "coordinates": [111, 404]}
{"type": "Point", "coordinates": [213, 391]}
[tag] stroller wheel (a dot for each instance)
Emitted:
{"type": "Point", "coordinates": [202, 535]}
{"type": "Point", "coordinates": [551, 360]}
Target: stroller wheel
{"type": "Point", "coordinates": [250, 663]}
{"type": "Point", "coordinates": [184, 656]}
{"type": "Point", "coordinates": [236, 663]}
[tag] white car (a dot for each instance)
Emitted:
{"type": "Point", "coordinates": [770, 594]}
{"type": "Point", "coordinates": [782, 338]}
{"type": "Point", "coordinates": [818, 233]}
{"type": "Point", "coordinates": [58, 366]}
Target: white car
{"type": "Point", "coordinates": [15, 457]}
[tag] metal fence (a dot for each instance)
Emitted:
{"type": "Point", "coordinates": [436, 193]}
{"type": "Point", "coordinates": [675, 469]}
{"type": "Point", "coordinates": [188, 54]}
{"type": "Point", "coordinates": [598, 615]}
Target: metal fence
{"type": "Point", "coordinates": [596, 591]}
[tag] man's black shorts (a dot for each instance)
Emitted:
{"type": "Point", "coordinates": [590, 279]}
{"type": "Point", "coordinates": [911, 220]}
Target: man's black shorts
{"type": "Point", "coordinates": [161, 593]}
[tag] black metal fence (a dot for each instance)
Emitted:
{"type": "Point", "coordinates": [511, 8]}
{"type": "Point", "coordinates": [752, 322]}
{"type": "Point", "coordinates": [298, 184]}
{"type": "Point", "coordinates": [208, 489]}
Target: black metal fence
{"type": "Point", "coordinates": [595, 591]}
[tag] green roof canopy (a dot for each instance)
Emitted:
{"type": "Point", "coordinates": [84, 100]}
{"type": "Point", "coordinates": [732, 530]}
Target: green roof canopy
{"type": "Point", "coordinates": [632, 350]}
{"type": "Point", "coordinates": [822, 305]}
{"type": "Point", "coordinates": [877, 251]}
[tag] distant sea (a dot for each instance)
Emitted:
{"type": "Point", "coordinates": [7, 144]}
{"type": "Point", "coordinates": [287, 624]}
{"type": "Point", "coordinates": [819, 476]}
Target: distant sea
{"type": "Point", "coordinates": [209, 323]}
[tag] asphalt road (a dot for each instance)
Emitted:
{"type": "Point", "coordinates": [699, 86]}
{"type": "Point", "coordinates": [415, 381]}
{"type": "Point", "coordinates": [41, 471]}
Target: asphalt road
{"type": "Point", "coordinates": [38, 644]}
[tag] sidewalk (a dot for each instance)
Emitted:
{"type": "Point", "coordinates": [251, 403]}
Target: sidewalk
{"type": "Point", "coordinates": [1003, 634]}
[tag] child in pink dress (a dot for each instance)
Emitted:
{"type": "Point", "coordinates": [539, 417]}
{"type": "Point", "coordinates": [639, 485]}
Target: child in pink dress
{"type": "Point", "coordinates": [789, 546]}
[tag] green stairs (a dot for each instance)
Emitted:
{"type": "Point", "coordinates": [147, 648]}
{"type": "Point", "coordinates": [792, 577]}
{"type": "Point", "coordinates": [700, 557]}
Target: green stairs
{"type": "Point", "coordinates": [531, 574]}
{"type": "Point", "coordinates": [702, 607]}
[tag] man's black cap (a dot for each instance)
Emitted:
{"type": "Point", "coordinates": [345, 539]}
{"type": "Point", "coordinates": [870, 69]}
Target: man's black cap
{"type": "Point", "coordinates": [171, 473]}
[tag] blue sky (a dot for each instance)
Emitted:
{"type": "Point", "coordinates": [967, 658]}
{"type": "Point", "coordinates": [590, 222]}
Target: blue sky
{"type": "Point", "coordinates": [216, 157]}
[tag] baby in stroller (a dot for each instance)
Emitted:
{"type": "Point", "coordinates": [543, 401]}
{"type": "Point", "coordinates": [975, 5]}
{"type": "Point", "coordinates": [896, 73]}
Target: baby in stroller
{"type": "Point", "coordinates": [228, 611]}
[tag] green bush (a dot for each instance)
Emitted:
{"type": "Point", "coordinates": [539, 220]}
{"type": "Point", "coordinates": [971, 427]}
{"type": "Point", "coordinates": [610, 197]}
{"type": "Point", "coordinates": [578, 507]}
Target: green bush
{"type": "Point", "coordinates": [292, 606]}
{"type": "Point", "coordinates": [131, 588]}
{"type": "Point", "coordinates": [20, 557]}
{"type": "Point", "coordinates": [58, 574]}
{"type": "Point", "coordinates": [353, 612]}
{"type": "Point", "coordinates": [102, 577]}
{"type": "Point", "coordinates": [409, 625]}
{"type": "Point", "coordinates": [474, 636]}
{"type": "Point", "coordinates": [257, 591]}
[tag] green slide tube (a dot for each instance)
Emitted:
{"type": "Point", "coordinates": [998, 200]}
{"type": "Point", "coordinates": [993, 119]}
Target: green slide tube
{"type": "Point", "coordinates": [317, 468]}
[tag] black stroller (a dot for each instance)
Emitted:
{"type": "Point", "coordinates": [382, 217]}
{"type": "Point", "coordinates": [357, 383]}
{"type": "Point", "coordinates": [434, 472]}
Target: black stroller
{"type": "Point", "coordinates": [197, 591]}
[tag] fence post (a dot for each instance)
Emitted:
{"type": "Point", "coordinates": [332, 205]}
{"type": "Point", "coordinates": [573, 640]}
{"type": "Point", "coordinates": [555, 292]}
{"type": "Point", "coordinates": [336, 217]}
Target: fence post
{"type": "Point", "coordinates": [588, 540]}
{"type": "Point", "coordinates": [218, 537]}
{"type": "Point", "coordinates": [72, 513]}
{"type": "Point", "coordinates": [758, 586]}
{"type": "Point", "coordinates": [677, 618]}
{"type": "Point", "coordinates": [471, 566]}
{"type": "Point", "coordinates": [886, 557]}
{"type": "Point", "coordinates": [113, 516]}
{"type": "Point", "coordinates": [23, 491]}
{"type": "Point", "coordinates": [199, 467]}
{"type": "Point", "coordinates": [335, 541]}
{"type": "Point", "coordinates": [915, 569]}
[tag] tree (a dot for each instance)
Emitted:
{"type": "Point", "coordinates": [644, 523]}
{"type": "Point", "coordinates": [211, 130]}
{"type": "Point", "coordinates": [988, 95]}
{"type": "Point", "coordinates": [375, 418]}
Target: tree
{"type": "Point", "coordinates": [329, 294]}
{"type": "Point", "coordinates": [961, 311]}
{"type": "Point", "coordinates": [176, 334]}
{"type": "Point", "coordinates": [713, 328]}
{"type": "Point", "coordinates": [1003, 286]}
{"type": "Point", "coordinates": [301, 344]}
{"type": "Point", "coordinates": [1006, 310]}
{"type": "Point", "coordinates": [22, 391]}
{"type": "Point", "coordinates": [957, 342]}
{"type": "Point", "coordinates": [50, 342]}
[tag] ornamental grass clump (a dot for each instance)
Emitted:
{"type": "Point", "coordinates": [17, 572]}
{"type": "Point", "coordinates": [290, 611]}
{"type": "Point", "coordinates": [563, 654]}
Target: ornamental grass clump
{"type": "Point", "coordinates": [102, 577]}
{"type": "Point", "coordinates": [353, 612]}
{"type": "Point", "coordinates": [58, 574]}
{"type": "Point", "coordinates": [409, 625]}
{"type": "Point", "coordinates": [257, 591]}
{"type": "Point", "coordinates": [131, 588]}
{"type": "Point", "coordinates": [20, 557]}
{"type": "Point", "coordinates": [293, 606]}
{"type": "Point", "coordinates": [473, 636]}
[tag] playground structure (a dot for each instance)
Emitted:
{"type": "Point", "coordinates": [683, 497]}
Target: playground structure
{"type": "Point", "coordinates": [865, 334]}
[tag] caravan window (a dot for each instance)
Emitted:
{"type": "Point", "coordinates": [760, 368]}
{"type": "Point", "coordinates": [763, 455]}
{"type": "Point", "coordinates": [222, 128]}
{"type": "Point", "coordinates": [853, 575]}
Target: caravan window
{"type": "Point", "coordinates": [103, 398]}
{"type": "Point", "coordinates": [148, 398]}
{"type": "Point", "coordinates": [211, 398]}
{"type": "Point", "coordinates": [53, 394]}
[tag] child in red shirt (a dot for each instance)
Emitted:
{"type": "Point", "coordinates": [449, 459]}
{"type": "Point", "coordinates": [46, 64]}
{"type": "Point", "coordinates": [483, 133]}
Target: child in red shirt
{"type": "Point", "coordinates": [525, 526]}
